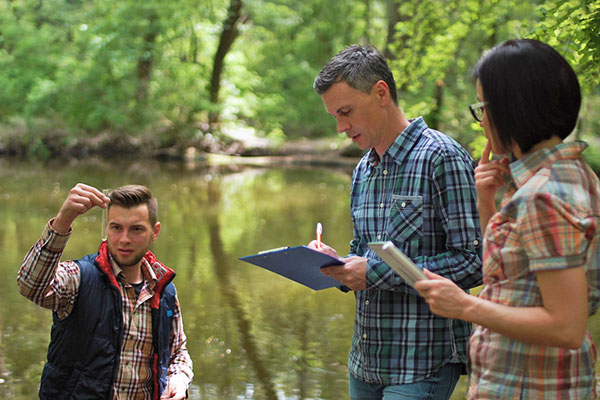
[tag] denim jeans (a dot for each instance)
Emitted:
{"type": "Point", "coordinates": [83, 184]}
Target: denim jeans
{"type": "Point", "coordinates": [439, 386]}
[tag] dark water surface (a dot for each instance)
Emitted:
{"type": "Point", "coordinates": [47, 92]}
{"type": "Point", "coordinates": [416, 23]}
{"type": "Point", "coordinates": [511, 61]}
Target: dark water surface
{"type": "Point", "coordinates": [251, 333]}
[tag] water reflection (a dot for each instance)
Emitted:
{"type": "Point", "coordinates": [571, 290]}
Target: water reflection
{"type": "Point", "coordinates": [251, 333]}
{"type": "Point", "coordinates": [222, 270]}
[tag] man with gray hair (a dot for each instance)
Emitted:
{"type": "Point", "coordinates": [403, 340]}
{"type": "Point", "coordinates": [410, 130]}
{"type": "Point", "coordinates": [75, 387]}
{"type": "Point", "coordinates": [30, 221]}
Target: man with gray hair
{"type": "Point", "coordinates": [414, 187]}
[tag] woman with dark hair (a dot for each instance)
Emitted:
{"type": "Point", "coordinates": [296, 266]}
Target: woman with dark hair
{"type": "Point", "coordinates": [541, 249]}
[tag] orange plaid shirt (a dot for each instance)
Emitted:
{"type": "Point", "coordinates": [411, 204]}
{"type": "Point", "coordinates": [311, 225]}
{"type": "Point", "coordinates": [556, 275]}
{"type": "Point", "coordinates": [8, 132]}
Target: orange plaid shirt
{"type": "Point", "coordinates": [550, 219]}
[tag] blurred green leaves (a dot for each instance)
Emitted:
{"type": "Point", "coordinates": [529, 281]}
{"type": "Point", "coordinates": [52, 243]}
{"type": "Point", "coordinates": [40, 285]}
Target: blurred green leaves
{"type": "Point", "coordinates": [71, 69]}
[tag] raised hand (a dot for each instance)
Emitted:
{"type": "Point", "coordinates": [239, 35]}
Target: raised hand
{"type": "Point", "coordinates": [489, 177]}
{"type": "Point", "coordinates": [80, 200]}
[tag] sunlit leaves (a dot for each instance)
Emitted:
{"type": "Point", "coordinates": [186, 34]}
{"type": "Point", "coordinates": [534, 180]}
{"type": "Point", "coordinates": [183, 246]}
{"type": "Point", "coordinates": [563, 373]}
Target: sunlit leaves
{"type": "Point", "coordinates": [143, 68]}
{"type": "Point", "coordinates": [573, 27]}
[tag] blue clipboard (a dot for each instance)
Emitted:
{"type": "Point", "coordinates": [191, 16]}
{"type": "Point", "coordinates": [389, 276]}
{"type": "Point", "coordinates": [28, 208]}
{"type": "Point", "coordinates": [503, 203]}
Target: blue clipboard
{"type": "Point", "coordinates": [300, 264]}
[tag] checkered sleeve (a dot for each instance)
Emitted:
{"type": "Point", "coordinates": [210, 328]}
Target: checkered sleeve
{"type": "Point", "coordinates": [554, 234]}
{"type": "Point", "coordinates": [455, 202]}
{"type": "Point", "coordinates": [180, 363]}
{"type": "Point", "coordinates": [46, 281]}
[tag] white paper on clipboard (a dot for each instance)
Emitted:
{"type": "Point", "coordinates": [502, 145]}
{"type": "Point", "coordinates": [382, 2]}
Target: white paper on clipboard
{"type": "Point", "coordinates": [398, 261]}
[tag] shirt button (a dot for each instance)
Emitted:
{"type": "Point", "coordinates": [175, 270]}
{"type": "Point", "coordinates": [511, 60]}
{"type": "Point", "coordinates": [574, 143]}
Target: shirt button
{"type": "Point", "coordinates": [382, 205]}
{"type": "Point", "coordinates": [475, 242]}
{"type": "Point", "coordinates": [367, 302]}
{"type": "Point", "coordinates": [403, 204]}
{"type": "Point", "coordinates": [385, 171]}
{"type": "Point", "coordinates": [364, 335]}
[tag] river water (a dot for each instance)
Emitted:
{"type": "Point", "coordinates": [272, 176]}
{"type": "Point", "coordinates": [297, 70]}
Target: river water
{"type": "Point", "coordinates": [251, 333]}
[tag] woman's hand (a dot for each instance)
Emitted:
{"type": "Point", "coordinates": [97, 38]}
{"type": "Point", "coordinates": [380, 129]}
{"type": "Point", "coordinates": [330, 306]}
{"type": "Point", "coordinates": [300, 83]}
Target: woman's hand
{"type": "Point", "coordinates": [444, 297]}
{"type": "Point", "coordinates": [489, 177]}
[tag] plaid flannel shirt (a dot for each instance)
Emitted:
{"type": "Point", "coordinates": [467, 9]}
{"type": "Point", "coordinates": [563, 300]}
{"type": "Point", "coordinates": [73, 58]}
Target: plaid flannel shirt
{"type": "Point", "coordinates": [52, 284]}
{"type": "Point", "coordinates": [550, 219]}
{"type": "Point", "coordinates": [421, 196]}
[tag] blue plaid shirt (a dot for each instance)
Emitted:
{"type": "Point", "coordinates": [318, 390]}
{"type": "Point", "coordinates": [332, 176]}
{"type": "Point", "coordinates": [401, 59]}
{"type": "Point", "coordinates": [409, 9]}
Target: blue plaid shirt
{"type": "Point", "coordinates": [421, 196]}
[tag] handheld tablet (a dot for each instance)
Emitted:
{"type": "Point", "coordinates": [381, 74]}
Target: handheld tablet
{"type": "Point", "coordinates": [398, 261]}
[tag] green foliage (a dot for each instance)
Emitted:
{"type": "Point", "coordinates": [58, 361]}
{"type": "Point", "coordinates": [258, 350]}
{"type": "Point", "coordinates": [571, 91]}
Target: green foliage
{"type": "Point", "coordinates": [435, 47]}
{"type": "Point", "coordinates": [229, 307]}
{"type": "Point", "coordinates": [81, 69]}
{"type": "Point", "coordinates": [479, 141]}
{"type": "Point", "coordinates": [294, 40]}
{"type": "Point", "coordinates": [573, 27]}
{"type": "Point", "coordinates": [30, 52]}
{"type": "Point", "coordinates": [592, 156]}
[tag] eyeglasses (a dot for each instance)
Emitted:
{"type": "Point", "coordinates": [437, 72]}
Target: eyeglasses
{"type": "Point", "coordinates": [477, 110]}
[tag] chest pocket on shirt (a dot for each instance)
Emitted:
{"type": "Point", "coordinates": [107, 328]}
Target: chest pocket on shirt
{"type": "Point", "coordinates": [406, 218]}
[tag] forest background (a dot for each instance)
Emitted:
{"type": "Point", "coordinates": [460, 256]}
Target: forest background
{"type": "Point", "coordinates": [163, 77]}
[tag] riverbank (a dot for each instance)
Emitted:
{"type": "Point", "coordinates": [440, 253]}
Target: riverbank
{"type": "Point", "coordinates": [263, 152]}
{"type": "Point", "coordinates": [235, 147]}
{"type": "Point", "coordinates": [226, 149]}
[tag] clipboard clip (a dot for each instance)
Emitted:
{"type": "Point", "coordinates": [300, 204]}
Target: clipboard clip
{"type": "Point", "coordinates": [272, 250]}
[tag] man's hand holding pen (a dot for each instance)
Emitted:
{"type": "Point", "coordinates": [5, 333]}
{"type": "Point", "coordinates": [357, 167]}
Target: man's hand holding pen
{"type": "Point", "coordinates": [352, 274]}
{"type": "Point", "coordinates": [323, 248]}
{"type": "Point", "coordinates": [320, 246]}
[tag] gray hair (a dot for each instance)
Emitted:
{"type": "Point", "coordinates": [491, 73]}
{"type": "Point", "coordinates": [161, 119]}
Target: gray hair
{"type": "Point", "coordinates": [360, 67]}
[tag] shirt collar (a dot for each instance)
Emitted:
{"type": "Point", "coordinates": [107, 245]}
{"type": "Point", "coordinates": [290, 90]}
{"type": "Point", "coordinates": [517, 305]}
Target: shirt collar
{"type": "Point", "coordinates": [147, 272]}
{"type": "Point", "coordinates": [526, 167]}
{"type": "Point", "coordinates": [403, 143]}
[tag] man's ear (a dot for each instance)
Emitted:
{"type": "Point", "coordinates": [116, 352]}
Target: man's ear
{"type": "Point", "coordinates": [382, 91]}
{"type": "Point", "coordinates": [155, 231]}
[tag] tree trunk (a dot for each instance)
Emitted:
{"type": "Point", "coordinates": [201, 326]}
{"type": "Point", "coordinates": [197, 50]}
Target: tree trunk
{"type": "Point", "coordinates": [228, 35]}
{"type": "Point", "coordinates": [438, 101]}
{"type": "Point", "coordinates": [367, 33]}
{"type": "Point", "coordinates": [146, 59]}
{"type": "Point", "coordinates": [393, 18]}
{"type": "Point", "coordinates": [193, 44]}
{"type": "Point", "coordinates": [39, 16]}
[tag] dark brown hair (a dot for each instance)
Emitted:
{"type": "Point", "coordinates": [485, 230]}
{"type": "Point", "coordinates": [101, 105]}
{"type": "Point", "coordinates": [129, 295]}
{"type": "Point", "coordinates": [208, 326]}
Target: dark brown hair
{"type": "Point", "coordinates": [134, 195]}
